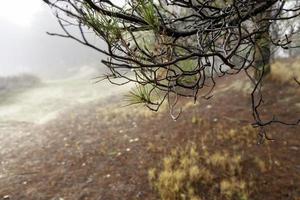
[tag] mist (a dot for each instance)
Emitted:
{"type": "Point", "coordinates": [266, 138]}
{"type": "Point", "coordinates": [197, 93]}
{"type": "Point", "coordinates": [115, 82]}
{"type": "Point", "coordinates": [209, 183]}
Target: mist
{"type": "Point", "coordinates": [28, 49]}
{"type": "Point", "coordinates": [43, 75]}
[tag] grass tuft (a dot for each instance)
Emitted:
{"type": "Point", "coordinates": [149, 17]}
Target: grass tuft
{"type": "Point", "coordinates": [189, 173]}
{"type": "Point", "coordinates": [285, 70]}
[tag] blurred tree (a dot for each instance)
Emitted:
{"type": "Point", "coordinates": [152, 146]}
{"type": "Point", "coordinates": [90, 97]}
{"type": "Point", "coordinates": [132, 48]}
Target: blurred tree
{"type": "Point", "coordinates": [262, 45]}
{"type": "Point", "coordinates": [174, 48]}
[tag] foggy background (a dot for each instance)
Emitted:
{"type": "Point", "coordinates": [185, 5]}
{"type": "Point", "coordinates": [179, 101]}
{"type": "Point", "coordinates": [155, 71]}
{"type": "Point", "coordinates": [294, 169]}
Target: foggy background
{"type": "Point", "coordinates": [26, 48]}
{"type": "Point", "coordinates": [42, 76]}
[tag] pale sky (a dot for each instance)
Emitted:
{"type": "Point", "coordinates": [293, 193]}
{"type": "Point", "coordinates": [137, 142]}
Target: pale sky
{"type": "Point", "coordinates": [20, 12]}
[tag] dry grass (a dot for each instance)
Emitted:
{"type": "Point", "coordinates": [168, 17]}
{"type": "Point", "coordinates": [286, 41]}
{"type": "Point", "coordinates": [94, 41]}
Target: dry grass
{"type": "Point", "coordinates": [285, 70]}
{"type": "Point", "coordinates": [192, 174]}
{"type": "Point", "coordinates": [246, 135]}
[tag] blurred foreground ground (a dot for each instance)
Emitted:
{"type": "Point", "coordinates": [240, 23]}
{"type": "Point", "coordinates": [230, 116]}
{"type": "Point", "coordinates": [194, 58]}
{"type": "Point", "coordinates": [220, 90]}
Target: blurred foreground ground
{"type": "Point", "coordinates": [91, 147]}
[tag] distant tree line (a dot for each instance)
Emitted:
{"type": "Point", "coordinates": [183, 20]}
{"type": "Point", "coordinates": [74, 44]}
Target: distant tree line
{"type": "Point", "coordinates": [17, 82]}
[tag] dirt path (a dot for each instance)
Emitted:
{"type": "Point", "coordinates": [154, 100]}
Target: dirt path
{"type": "Point", "coordinates": [102, 151]}
{"type": "Point", "coordinates": [41, 104]}
{"type": "Point", "coordinates": [22, 112]}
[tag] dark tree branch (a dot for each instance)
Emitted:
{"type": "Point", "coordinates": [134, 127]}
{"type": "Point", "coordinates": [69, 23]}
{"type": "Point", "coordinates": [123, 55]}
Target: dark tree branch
{"type": "Point", "coordinates": [178, 47]}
